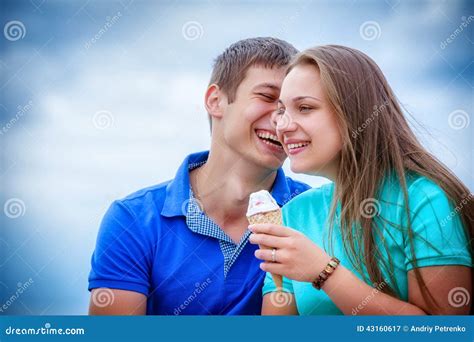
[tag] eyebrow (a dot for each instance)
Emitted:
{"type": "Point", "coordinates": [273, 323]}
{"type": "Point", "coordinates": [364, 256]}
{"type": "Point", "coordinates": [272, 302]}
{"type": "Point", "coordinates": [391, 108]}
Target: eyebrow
{"type": "Point", "coordinates": [266, 85]}
{"type": "Point", "coordinates": [299, 98]}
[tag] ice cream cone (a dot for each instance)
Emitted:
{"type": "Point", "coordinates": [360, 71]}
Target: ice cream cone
{"type": "Point", "coordinates": [264, 209]}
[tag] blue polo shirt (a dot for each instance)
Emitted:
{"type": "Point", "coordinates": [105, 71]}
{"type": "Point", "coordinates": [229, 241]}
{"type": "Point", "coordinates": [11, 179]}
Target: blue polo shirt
{"type": "Point", "coordinates": [158, 242]}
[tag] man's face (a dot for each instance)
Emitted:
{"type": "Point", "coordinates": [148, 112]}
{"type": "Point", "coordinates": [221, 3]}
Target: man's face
{"type": "Point", "coordinates": [246, 125]}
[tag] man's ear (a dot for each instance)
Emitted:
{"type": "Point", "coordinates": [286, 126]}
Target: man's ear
{"type": "Point", "coordinates": [213, 101]}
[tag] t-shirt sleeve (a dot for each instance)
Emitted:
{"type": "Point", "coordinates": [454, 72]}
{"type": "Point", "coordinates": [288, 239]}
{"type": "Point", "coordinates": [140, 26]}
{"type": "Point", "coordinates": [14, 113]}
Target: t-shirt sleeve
{"type": "Point", "coordinates": [438, 234]}
{"type": "Point", "coordinates": [269, 285]}
{"type": "Point", "coordinates": [121, 256]}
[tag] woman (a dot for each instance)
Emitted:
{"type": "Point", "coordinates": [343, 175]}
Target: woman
{"type": "Point", "coordinates": [392, 232]}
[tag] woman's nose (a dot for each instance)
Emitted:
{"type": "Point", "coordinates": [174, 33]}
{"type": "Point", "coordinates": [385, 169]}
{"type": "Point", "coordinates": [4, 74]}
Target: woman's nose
{"type": "Point", "coordinates": [285, 123]}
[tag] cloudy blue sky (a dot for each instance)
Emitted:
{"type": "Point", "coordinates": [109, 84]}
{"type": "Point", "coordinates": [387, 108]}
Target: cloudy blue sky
{"type": "Point", "coordinates": [101, 98]}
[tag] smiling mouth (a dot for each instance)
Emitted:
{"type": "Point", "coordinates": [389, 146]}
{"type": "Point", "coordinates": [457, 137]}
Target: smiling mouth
{"type": "Point", "coordinates": [269, 139]}
{"type": "Point", "coordinates": [295, 148]}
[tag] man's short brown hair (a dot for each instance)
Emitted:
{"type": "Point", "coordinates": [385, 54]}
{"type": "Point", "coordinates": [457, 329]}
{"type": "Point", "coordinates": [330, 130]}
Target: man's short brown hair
{"type": "Point", "coordinates": [231, 66]}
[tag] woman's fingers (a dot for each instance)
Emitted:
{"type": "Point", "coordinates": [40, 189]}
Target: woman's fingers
{"type": "Point", "coordinates": [266, 255]}
{"type": "Point", "coordinates": [267, 240]}
{"type": "Point", "coordinates": [270, 229]}
{"type": "Point", "coordinates": [274, 268]}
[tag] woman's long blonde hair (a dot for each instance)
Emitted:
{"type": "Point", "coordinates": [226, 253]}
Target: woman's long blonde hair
{"type": "Point", "coordinates": [377, 143]}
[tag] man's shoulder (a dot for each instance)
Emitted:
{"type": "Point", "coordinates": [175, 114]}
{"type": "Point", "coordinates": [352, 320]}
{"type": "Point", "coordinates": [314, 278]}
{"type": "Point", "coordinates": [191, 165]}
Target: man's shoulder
{"type": "Point", "coordinates": [296, 187]}
{"type": "Point", "coordinates": [150, 195]}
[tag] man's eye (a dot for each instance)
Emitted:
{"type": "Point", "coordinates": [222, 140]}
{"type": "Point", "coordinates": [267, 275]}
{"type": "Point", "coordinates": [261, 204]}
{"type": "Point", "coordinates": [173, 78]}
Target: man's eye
{"type": "Point", "coordinates": [267, 97]}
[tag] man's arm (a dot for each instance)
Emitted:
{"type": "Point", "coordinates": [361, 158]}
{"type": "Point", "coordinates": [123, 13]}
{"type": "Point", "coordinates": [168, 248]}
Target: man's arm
{"type": "Point", "coordinates": [116, 302]}
{"type": "Point", "coordinates": [121, 259]}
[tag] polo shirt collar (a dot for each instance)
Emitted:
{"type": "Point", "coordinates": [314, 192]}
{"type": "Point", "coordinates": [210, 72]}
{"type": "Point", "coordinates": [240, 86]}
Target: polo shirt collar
{"type": "Point", "coordinates": [177, 191]}
{"type": "Point", "coordinates": [280, 190]}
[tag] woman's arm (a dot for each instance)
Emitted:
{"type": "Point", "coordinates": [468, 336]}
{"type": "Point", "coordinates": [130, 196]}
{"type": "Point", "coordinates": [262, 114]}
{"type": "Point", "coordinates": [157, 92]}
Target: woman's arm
{"type": "Point", "coordinates": [300, 259]}
{"type": "Point", "coordinates": [352, 295]}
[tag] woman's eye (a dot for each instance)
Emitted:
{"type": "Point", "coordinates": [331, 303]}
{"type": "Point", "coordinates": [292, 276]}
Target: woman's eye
{"type": "Point", "coordinates": [280, 111]}
{"type": "Point", "coordinates": [304, 109]}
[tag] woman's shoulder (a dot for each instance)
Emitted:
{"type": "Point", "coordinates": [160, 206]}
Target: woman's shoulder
{"type": "Point", "coordinates": [309, 209]}
{"type": "Point", "coordinates": [418, 186]}
{"type": "Point", "coordinates": [423, 194]}
{"type": "Point", "coordinates": [319, 195]}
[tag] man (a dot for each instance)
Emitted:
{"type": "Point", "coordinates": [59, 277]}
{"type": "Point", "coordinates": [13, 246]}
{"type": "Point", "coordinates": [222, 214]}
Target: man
{"type": "Point", "coordinates": [181, 247]}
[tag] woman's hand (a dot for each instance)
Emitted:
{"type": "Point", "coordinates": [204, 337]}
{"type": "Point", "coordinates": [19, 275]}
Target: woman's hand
{"type": "Point", "coordinates": [296, 256]}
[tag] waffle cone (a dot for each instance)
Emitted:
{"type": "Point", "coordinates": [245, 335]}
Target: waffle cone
{"type": "Point", "coordinates": [273, 217]}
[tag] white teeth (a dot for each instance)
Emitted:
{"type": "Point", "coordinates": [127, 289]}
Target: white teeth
{"type": "Point", "coordinates": [290, 146]}
{"type": "Point", "coordinates": [271, 144]}
{"type": "Point", "coordinates": [267, 135]}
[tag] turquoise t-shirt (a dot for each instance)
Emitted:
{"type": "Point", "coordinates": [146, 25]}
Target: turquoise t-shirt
{"type": "Point", "coordinates": [439, 237]}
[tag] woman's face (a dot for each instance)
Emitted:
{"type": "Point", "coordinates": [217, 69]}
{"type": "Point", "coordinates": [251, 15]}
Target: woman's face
{"type": "Point", "coordinates": [306, 124]}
